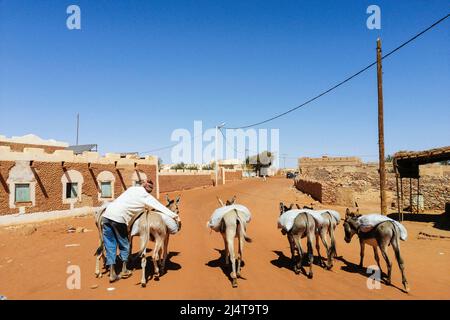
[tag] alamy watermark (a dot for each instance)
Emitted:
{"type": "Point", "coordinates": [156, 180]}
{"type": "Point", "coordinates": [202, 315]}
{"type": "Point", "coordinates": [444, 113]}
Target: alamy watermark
{"type": "Point", "coordinates": [205, 146]}
{"type": "Point", "coordinates": [73, 21]}
{"type": "Point", "coordinates": [374, 20]}
{"type": "Point", "coordinates": [73, 281]}
{"type": "Point", "coordinates": [374, 280]}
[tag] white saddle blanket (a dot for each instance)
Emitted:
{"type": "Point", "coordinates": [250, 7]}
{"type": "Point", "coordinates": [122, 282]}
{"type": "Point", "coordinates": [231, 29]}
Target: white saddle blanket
{"type": "Point", "coordinates": [216, 217]}
{"type": "Point", "coordinates": [286, 220]}
{"type": "Point", "coordinates": [171, 224]}
{"type": "Point", "coordinates": [369, 221]}
{"type": "Point", "coordinates": [333, 213]}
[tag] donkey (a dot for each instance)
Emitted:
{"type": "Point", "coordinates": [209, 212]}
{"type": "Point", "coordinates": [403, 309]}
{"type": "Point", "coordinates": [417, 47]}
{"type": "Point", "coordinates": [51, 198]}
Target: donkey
{"type": "Point", "coordinates": [100, 252]}
{"type": "Point", "coordinates": [150, 226]}
{"type": "Point", "coordinates": [156, 226]}
{"type": "Point", "coordinates": [327, 228]}
{"type": "Point", "coordinates": [233, 226]}
{"type": "Point", "coordinates": [304, 226]}
{"type": "Point", "coordinates": [382, 235]}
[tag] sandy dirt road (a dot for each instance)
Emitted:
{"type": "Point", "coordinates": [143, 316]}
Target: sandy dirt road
{"type": "Point", "coordinates": [35, 266]}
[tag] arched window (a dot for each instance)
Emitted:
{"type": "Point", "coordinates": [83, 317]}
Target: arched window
{"type": "Point", "coordinates": [106, 181]}
{"type": "Point", "coordinates": [137, 177]}
{"type": "Point", "coordinates": [22, 186]}
{"type": "Point", "coordinates": [72, 186]}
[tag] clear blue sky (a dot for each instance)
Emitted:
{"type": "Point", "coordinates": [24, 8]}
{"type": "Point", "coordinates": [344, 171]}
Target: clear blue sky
{"type": "Point", "coordinates": [139, 69]}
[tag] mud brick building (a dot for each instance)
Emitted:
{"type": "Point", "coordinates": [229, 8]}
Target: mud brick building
{"type": "Point", "coordinates": [40, 179]}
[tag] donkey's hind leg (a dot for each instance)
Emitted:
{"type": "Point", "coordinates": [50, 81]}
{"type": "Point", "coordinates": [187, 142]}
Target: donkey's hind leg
{"type": "Point", "coordinates": [383, 247]}
{"type": "Point", "coordinates": [401, 265]}
{"type": "Point", "coordinates": [98, 273]}
{"type": "Point", "coordinates": [299, 265]}
{"type": "Point", "coordinates": [241, 241]}
{"type": "Point", "coordinates": [155, 257]}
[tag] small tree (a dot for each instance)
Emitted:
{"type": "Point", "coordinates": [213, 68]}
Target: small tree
{"type": "Point", "coordinates": [389, 158]}
{"type": "Point", "coordinates": [191, 167]}
{"type": "Point", "coordinates": [210, 166]}
{"type": "Point", "coordinates": [178, 166]}
{"type": "Point", "coordinates": [261, 160]}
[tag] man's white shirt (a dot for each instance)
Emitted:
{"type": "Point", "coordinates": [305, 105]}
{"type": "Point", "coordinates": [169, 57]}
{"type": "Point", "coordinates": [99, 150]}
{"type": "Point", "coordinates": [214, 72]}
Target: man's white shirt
{"type": "Point", "coordinates": [133, 202]}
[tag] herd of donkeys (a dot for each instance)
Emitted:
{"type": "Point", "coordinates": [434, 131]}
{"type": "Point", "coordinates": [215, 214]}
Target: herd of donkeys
{"type": "Point", "coordinates": [230, 220]}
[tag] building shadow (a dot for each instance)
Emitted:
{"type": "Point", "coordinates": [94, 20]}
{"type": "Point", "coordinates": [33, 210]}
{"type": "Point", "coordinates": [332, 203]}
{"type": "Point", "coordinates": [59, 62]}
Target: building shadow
{"type": "Point", "coordinates": [440, 221]}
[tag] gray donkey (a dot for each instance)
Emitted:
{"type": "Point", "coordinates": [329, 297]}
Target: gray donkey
{"type": "Point", "coordinates": [304, 226]}
{"type": "Point", "coordinates": [233, 226]}
{"type": "Point", "coordinates": [382, 235]}
{"type": "Point", "coordinates": [151, 226]}
{"type": "Point", "coordinates": [327, 228]}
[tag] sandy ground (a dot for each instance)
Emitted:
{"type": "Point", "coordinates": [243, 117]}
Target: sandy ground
{"type": "Point", "coordinates": [35, 266]}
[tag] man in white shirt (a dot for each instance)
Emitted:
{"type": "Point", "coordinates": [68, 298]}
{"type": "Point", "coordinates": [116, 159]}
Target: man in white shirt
{"type": "Point", "coordinates": [118, 215]}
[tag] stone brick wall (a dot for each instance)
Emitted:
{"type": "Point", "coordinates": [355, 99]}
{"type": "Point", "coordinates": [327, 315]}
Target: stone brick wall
{"type": "Point", "coordinates": [312, 188]}
{"type": "Point", "coordinates": [49, 188]}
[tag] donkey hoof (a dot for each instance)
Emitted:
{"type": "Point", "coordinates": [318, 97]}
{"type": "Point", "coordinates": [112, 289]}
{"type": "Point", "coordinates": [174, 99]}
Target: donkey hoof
{"type": "Point", "coordinates": [235, 284]}
{"type": "Point", "coordinates": [405, 285]}
{"type": "Point", "coordinates": [310, 275]}
{"type": "Point", "coordinates": [143, 284]}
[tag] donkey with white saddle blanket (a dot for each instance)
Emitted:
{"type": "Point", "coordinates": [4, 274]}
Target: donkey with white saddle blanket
{"type": "Point", "coordinates": [326, 221]}
{"type": "Point", "coordinates": [149, 225]}
{"type": "Point", "coordinates": [231, 221]}
{"type": "Point", "coordinates": [298, 224]}
{"type": "Point", "coordinates": [377, 231]}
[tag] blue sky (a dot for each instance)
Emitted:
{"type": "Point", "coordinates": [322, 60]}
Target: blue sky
{"type": "Point", "coordinates": [137, 70]}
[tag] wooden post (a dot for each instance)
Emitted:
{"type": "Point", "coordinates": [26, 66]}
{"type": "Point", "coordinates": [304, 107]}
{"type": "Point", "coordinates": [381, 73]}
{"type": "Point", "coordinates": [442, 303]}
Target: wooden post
{"type": "Point", "coordinates": [382, 168]}
{"type": "Point", "coordinates": [401, 197]}
{"type": "Point", "coordinates": [410, 195]}
{"type": "Point", "coordinates": [398, 196]}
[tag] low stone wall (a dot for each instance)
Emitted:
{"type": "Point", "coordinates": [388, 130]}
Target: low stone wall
{"type": "Point", "coordinates": [344, 185]}
{"type": "Point", "coordinates": [312, 188]}
{"type": "Point", "coordinates": [232, 175]}
{"type": "Point", "coordinates": [169, 182]}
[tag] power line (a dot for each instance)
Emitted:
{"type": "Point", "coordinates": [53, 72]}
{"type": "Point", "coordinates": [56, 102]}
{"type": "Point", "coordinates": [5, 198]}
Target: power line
{"type": "Point", "coordinates": [343, 81]}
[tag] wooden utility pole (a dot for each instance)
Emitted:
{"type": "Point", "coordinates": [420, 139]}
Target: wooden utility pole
{"type": "Point", "coordinates": [382, 168]}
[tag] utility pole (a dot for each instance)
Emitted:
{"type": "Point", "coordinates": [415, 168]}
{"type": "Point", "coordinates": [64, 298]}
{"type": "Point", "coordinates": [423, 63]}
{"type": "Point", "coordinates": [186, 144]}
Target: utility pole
{"type": "Point", "coordinates": [216, 167]}
{"type": "Point", "coordinates": [382, 168]}
{"type": "Point", "coordinates": [284, 155]}
{"type": "Point", "coordinates": [78, 126]}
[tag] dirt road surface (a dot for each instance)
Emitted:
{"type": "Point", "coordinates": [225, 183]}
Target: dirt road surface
{"type": "Point", "coordinates": [35, 266]}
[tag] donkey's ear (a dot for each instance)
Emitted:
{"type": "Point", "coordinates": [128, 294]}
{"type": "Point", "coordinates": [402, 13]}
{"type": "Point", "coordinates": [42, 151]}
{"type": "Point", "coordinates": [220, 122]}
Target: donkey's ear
{"type": "Point", "coordinates": [177, 200]}
{"type": "Point", "coordinates": [220, 201]}
{"type": "Point", "coordinates": [281, 206]}
{"type": "Point", "coordinates": [167, 198]}
{"type": "Point", "coordinates": [291, 206]}
{"type": "Point", "coordinates": [347, 212]}
{"type": "Point", "coordinates": [297, 205]}
{"type": "Point", "coordinates": [357, 210]}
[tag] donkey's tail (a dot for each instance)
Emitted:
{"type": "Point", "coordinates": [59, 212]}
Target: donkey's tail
{"type": "Point", "coordinates": [241, 225]}
{"type": "Point", "coordinates": [331, 231]}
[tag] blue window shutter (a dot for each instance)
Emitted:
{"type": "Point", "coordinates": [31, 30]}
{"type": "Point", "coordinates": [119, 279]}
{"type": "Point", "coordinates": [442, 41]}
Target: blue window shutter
{"type": "Point", "coordinates": [106, 189]}
{"type": "Point", "coordinates": [22, 192]}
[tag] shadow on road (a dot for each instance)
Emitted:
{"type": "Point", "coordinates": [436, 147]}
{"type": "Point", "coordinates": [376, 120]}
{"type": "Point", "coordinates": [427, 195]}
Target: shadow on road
{"type": "Point", "coordinates": [354, 268]}
{"type": "Point", "coordinates": [440, 221]}
{"type": "Point", "coordinates": [285, 262]}
{"type": "Point", "coordinates": [135, 264]}
{"type": "Point", "coordinates": [220, 263]}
